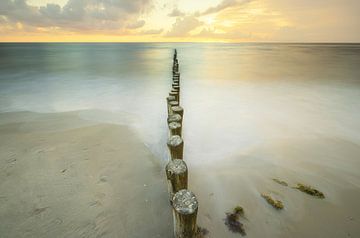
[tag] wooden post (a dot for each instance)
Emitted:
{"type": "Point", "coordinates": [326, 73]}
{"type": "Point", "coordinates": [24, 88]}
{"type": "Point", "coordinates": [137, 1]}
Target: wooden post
{"type": "Point", "coordinates": [175, 128]}
{"type": "Point", "coordinates": [175, 68]}
{"type": "Point", "coordinates": [169, 99]}
{"type": "Point", "coordinates": [175, 94]}
{"type": "Point", "coordinates": [176, 147]}
{"type": "Point", "coordinates": [185, 207]}
{"type": "Point", "coordinates": [172, 93]}
{"type": "Point", "coordinates": [178, 110]}
{"type": "Point", "coordinates": [173, 103]}
{"type": "Point", "coordinates": [176, 87]}
{"type": "Point", "coordinates": [174, 118]}
{"type": "Point", "coordinates": [177, 175]}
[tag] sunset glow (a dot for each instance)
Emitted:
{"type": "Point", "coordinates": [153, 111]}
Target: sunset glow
{"type": "Point", "coordinates": [184, 20]}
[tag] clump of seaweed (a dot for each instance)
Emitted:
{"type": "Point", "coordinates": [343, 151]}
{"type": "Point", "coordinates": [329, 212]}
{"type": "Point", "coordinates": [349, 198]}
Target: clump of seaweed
{"type": "Point", "coordinates": [233, 223]}
{"type": "Point", "coordinates": [239, 210]}
{"type": "Point", "coordinates": [201, 232]}
{"type": "Point", "coordinates": [280, 182]}
{"type": "Point", "coordinates": [310, 190]}
{"type": "Point", "coordinates": [275, 203]}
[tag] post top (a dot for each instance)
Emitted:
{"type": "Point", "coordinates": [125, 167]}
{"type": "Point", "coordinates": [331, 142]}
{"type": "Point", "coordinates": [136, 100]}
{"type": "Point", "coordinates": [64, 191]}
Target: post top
{"type": "Point", "coordinates": [177, 109]}
{"type": "Point", "coordinates": [185, 202]}
{"type": "Point", "coordinates": [176, 166]}
{"type": "Point", "coordinates": [174, 103]}
{"type": "Point", "coordinates": [172, 93]}
{"type": "Point", "coordinates": [174, 125]}
{"type": "Point", "coordinates": [174, 140]}
{"type": "Point", "coordinates": [174, 117]}
{"type": "Point", "coordinates": [170, 98]}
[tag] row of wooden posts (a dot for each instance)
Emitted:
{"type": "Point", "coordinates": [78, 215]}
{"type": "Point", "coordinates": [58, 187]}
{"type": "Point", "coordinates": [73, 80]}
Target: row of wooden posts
{"type": "Point", "coordinates": [184, 203]}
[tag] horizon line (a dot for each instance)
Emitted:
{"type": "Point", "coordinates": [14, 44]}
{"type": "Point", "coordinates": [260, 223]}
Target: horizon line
{"type": "Point", "coordinates": [178, 42]}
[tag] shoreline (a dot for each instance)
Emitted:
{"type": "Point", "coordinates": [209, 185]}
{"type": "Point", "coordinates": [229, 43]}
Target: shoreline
{"type": "Point", "coordinates": [82, 179]}
{"type": "Point", "coordinates": [241, 179]}
{"type": "Point", "coordinates": [68, 174]}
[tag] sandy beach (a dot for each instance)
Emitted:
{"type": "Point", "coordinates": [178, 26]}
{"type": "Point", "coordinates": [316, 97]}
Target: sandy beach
{"type": "Point", "coordinates": [330, 165]}
{"type": "Point", "coordinates": [62, 176]}
{"type": "Point", "coordinates": [83, 135]}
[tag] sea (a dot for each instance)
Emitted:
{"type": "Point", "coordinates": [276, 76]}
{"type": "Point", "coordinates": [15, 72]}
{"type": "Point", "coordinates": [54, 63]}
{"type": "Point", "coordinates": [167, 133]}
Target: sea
{"type": "Point", "coordinates": [234, 95]}
{"type": "Point", "coordinates": [253, 112]}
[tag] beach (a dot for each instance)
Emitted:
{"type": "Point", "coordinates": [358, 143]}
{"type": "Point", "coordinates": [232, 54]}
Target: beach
{"type": "Point", "coordinates": [62, 176]}
{"type": "Point", "coordinates": [327, 164]}
{"type": "Point", "coordinates": [83, 138]}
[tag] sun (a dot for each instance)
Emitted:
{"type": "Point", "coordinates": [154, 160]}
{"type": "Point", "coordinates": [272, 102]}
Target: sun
{"type": "Point", "coordinates": [209, 20]}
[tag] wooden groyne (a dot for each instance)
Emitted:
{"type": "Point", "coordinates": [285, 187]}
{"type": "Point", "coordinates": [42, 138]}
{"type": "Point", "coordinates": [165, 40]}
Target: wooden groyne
{"type": "Point", "coordinates": [183, 201]}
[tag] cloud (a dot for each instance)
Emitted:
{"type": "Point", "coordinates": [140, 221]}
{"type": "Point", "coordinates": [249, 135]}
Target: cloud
{"type": "Point", "coordinates": [135, 25]}
{"type": "Point", "coordinates": [152, 32]}
{"type": "Point", "coordinates": [176, 13]}
{"type": "Point", "coordinates": [227, 35]}
{"type": "Point", "coordinates": [98, 15]}
{"type": "Point", "coordinates": [222, 6]}
{"type": "Point", "coordinates": [183, 26]}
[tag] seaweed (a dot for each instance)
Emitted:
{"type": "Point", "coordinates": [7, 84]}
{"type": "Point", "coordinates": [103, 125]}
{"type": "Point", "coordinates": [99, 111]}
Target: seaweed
{"type": "Point", "coordinates": [201, 232]}
{"type": "Point", "coordinates": [233, 223]}
{"type": "Point", "coordinates": [280, 182]}
{"type": "Point", "coordinates": [275, 203]}
{"type": "Point", "coordinates": [310, 190]}
{"type": "Point", "coordinates": [239, 210]}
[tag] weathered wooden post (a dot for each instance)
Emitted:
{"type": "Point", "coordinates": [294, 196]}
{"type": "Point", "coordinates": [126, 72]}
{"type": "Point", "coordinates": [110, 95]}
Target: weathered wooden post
{"type": "Point", "coordinates": [175, 88]}
{"type": "Point", "coordinates": [168, 100]}
{"type": "Point", "coordinates": [185, 207]}
{"type": "Point", "coordinates": [175, 94]}
{"type": "Point", "coordinates": [177, 175]}
{"type": "Point", "coordinates": [173, 103]}
{"type": "Point", "coordinates": [176, 82]}
{"type": "Point", "coordinates": [174, 118]}
{"type": "Point", "coordinates": [176, 147]}
{"type": "Point", "coordinates": [175, 128]}
{"type": "Point", "coordinates": [175, 68]}
{"type": "Point", "coordinates": [178, 110]}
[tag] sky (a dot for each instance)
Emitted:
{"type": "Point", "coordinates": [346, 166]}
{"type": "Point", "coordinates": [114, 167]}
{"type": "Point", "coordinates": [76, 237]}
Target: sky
{"type": "Point", "coordinates": [179, 21]}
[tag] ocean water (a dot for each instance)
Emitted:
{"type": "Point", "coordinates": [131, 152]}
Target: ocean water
{"type": "Point", "coordinates": [235, 96]}
{"type": "Point", "coordinates": [252, 112]}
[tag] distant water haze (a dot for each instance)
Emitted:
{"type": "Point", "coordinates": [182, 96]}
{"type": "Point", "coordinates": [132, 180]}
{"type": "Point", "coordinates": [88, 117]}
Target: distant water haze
{"type": "Point", "coordinates": [235, 95]}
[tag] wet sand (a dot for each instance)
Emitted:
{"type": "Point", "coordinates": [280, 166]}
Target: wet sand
{"type": "Point", "coordinates": [62, 176]}
{"type": "Point", "coordinates": [65, 176]}
{"type": "Point", "coordinates": [330, 165]}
